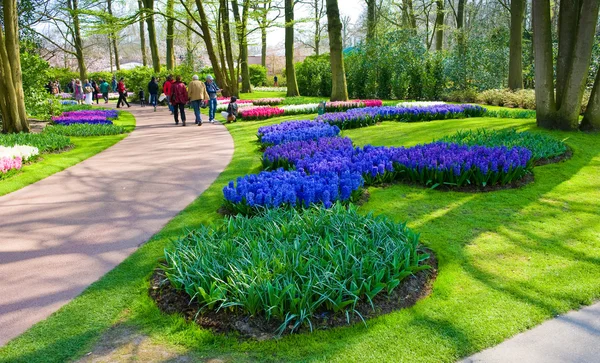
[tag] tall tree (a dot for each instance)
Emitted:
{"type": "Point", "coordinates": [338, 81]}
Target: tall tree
{"type": "Point", "coordinates": [339, 91]}
{"type": "Point", "coordinates": [229, 65]}
{"type": "Point", "coordinates": [241, 23]}
{"type": "Point", "coordinates": [211, 50]}
{"type": "Point", "coordinates": [265, 13]}
{"type": "Point", "coordinates": [578, 20]}
{"type": "Point", "coordinates": [290, 69]}
{"type": "Point", "coordinates": [12, 100]}
{"type": "Point", "coordinates": [113, 34]}
{"type": "Point", "coordinates": [439, 25]}
{"type": "Point", "coordinates": [170, 35]}
{"type": "Point", "coordinates": [515, 67]}
{"type": "Point", "coordinates": [318, 10]}
{"type": "Point", "coordinates": [189, 48]}
{"type": "Point", "coordinates": [371, 19]}
{"type": "Point", "coordinates": [149, 13]}
{"type": "Point", "coordinates": [460, 14]}
{"type": "Point", "coordinates": [73, 7]}
{"type": "Point", "coordinates": [142, 34]}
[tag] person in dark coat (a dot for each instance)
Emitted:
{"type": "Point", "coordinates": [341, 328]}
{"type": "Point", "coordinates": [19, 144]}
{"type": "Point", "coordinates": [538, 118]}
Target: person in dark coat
{"type": "Point", "coordinates": [179, 98]}
{"type": "Point", "coordinates": [153, 92]}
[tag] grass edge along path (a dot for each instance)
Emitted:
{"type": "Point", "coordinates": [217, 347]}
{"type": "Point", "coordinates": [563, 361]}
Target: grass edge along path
{"type": "Point", "coordinates": [52, 163]}
{"type": "Point", "coordinates": [495, 279]}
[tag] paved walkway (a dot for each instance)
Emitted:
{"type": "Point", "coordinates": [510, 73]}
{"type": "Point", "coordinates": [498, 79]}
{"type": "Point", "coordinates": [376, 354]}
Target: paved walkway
{"type": "Point", "coordinates": [573, 337]}
{"type": "Point", "coordinates": [63, 233]}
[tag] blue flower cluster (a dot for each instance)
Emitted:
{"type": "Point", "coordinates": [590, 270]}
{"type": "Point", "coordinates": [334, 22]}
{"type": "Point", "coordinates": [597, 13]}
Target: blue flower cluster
{"type": "Point", "coordinates": [290, 188]}
{"type": "Point", "coordinates": [295, 131]}
{"type": "Point", "coordinates": [308, 169]}
{"type": "Point", "coordinates": [361, 117]}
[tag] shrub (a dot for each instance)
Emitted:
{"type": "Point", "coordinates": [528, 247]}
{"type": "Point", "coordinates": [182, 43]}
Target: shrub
{"type": "Point", "coordinates": [541, 146]}
{"type": "Point", "coordinates": [510, 113]}
{"type": "Point", "coordinates": [43, 141]}
{"type": "Point", "coordinates": [314, 76]}
{"type": "Point", "coordinates": [280, 188]}
{"type": "Point", "coordinates": [295, 131]}
{"type": "Point", "coordinates": [258, 75]}
{"type": "Point", "coordinates": [288, 266]}
{"type": "Point", "coordinates": [85, 129]}
{"type": "Point", "coordinates": [466, 95]}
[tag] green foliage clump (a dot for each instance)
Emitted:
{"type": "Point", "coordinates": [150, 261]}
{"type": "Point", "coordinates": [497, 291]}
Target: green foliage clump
{"type": "Point", "coordinates": [511, 113]}
{"type": "Point", "coordinates": [84, 130]}
{"type": "Point", "coordinates": [314, 76]}
{"type": "Point", "coordinates": [35, 76]}
{"type": "Point", "coordinates": [45, 142]}
{"type": "Point", "coordinates": [258, 75]}
{"type": "Point", "coordinates": [541, 146]}
{"type": "Point", "coordinates": [468, 95]}
{"type": "Point", "coordinates": [288, 265]}
{"type": "Point", "coordinates": [524, 98]}
{"type": "Point", "coordinates": [395, 66]}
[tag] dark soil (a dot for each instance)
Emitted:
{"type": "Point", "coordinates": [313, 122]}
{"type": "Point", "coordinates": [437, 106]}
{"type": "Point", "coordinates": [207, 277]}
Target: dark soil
{"type": "Point", "coordinates": [557, 159]}
{"type": "Point", "coordinates": [173, 301]}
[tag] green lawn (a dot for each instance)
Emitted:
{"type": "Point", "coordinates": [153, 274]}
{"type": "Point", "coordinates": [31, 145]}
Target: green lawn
{"type": "Point", "coordinates": [84, 147]}
{"type": "Point", "coordinates": [508, 260]}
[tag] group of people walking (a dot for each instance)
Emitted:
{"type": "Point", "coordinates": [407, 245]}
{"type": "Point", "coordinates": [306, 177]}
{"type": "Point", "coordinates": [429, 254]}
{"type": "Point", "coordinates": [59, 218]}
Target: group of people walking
{"type": "Point", "coordinates": [197, 94]}
{"type": "Point", "coordinates": [90, 90]}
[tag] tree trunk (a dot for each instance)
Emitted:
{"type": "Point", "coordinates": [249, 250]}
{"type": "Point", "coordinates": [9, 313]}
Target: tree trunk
{"type": "Point", "coordinates": [189, 48]}
{"type": "Point", "coordinates": [170, 35]}
{"type": "Point", "coordinates": [231, 74]}
{"type": "Point", "coordinates": [263, 50]}
{"type": "Point", "coordinates": [371, 19]}
{"type": "Point", "coordinates": [242, 27]}
{"type": "Point", "coordinates": [568, 18]}
{"type": "Point", "coordinates": [339, 91]}
{"type": "Point", "coordinates": [569, 106]}
{"type": "Point", "coordinates": [149, 5]}
{"type": "Point", "coordinates": [290, 70]}
{"type": "Point", "coordinates": [113, 36]}
{"type": "Point", "coordinates": [12, 100]}
{"type": "Point", "coordinates": [460, 14]}
{"type": "Point", "coordinates": [545, 105]}
{"type": "Point", "coordinates": [110, 55]}
{"type": "Point", "coordinates": [411, 16]}
{"type": "Point", "coordinates": [73, 7]}
{"type": "Point", "coordinates": [439, 25]}
{"type": "Point", "coordinates": [515, 67]}
{"type": "Point", "coordinates": [142, 34]}
{"type": "Point", "coordinates": [210, 49]}
{"type": "Point", "coordinates": [591, 119]}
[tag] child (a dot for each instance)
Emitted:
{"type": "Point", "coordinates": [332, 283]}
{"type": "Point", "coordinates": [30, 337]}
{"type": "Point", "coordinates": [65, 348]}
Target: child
{"type": "Point", "coordinates": [232, 111]}
{"type": "Point", "coordinates": [142, 98]}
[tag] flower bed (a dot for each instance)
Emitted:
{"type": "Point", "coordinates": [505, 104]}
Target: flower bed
{"type": "Point", "coordinates": [241, 106]}
{"type": "Point", "coordinates": [279, 188]}
{"type": "Point", "coordinates": [9, 166]}
{"type": "Point", "coordinates": [421, 104]}
{"type": "Point", "coordinates": [541, 146]}
{"type": "Point", "coordinates": [97, 117]}
{"type": "Point", "coordinates": [295, 131]}
{"type": "Point", "coordinates": [291, 267]}
{"type": "Point", "coordinates": [300, 109]}
{"type": "Point", "coordinates": [260, 113]}
{"type": "Point", "coordinates": [369, 116]}
{"type": "Point", "coordinates": [84, 129]}
{"type": "Point", "coordinates": [268, 101]}
{"type": "Point", "coordinates": [43, 142]}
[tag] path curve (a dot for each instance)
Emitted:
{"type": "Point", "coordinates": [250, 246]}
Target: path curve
{"type": "Point", "coordinates": [61, 234]}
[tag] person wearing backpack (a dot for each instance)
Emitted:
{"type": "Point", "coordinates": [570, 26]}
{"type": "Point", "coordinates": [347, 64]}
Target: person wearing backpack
{"type": "Point", "coordinates": [179, 98]}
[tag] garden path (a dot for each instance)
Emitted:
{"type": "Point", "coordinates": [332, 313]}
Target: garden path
{"type": "Point", "coordinates": [573, 337]}
{"type": "Point", "coordinates": [61, 234]}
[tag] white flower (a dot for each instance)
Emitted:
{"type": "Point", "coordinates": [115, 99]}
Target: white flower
{"type": "Point", "coordinates": [420, 104]}
{"type": "Point", "coordinates": [307, 108]}
{"type": "Point", "coordinates": [23, 151]}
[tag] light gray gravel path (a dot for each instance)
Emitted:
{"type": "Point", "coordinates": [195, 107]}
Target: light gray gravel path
{"type": "Point", "coordinates": [573, 338]}
{"type": "Point", "coordinates": [61, 234]}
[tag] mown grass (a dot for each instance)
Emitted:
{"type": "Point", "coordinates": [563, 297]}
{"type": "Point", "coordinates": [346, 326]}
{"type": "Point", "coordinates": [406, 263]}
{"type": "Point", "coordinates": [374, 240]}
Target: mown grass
{"type": "Point", "coordinates": [51, 163]}
{"type": "Point", "coordinates": [508, 260]}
